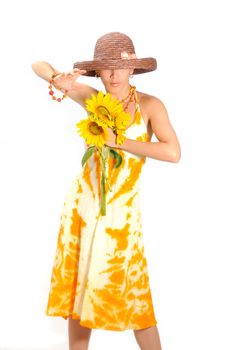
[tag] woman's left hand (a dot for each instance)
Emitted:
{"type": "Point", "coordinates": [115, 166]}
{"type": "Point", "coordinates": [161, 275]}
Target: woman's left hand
{"type": "Point", "coordinates": [112, 140]}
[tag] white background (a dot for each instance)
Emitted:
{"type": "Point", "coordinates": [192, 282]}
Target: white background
{"type": "Point", "coordinates": [186, 206]}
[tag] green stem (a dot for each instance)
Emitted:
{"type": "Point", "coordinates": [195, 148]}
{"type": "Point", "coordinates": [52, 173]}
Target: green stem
{"type": "Point", "coordinates": [108, 184]}
{"type": "Point", "coordinates": [103, 196]}
{"type": "Point", "coordinates": [107, 178]}
{"type": "Point", "coordinates": [103, 190]}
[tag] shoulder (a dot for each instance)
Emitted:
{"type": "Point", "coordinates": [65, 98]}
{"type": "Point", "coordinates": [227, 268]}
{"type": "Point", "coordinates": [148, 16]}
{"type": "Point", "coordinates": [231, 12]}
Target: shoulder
{"type": "Point", "coordinates": [151, 106]}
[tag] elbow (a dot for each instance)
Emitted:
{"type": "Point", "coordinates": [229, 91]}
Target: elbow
{"type": "Point", "coordinates": [176, 158]}
{"type": "Point", "coordinates": [34, 66]}
{"type": "Point", "coordinates": [176, 155]}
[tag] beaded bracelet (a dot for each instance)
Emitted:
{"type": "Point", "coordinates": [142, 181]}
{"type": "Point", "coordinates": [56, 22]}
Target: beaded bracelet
{"type": "Point", "coordinates": [51, 92]}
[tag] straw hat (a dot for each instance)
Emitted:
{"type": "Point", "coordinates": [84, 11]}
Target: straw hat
{"type": "Point", "coordinates": [116, 51]}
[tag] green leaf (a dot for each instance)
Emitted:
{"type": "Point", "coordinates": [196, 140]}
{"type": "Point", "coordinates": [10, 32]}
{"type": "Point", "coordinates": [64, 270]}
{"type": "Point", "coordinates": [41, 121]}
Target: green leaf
{"type": "Point", "coordinates": [118, 161]}
{"type": "Point", "coordinates": [87, 155]}
{"type": "Point", "coordinates": [114, 154]}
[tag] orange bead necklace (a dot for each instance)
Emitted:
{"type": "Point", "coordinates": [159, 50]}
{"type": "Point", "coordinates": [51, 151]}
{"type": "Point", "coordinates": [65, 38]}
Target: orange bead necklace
{"type": "Point", "coordinates": [129, 98]}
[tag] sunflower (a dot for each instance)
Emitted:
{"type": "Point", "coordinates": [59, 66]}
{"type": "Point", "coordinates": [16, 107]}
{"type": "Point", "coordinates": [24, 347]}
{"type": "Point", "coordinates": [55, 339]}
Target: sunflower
{"type": "Point", "coordinates": [105, 112]}
{"type": "Point", "coordinates": [120, 137]}
{"type": "Point", "coordinates": [104, 108]}
{"type": "Point", "coordinates": [100, 121]}
{"type": "Point", "coordinates": [92, 132]}
{"type": "Point", "coordinates": [122, 120]}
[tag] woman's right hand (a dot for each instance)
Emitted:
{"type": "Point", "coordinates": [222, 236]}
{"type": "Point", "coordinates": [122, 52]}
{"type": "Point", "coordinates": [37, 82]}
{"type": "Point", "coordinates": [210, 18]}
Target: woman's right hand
{"type": "Point", "coordinates": [67, 81]}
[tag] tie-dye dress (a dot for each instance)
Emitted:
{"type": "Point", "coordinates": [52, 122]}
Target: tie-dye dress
{"type": "Point", "coordinates": [100, 274]}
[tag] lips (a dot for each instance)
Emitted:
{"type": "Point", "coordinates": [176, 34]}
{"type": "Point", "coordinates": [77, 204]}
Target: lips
{"type": "Point", "coordinates": [114, 84]}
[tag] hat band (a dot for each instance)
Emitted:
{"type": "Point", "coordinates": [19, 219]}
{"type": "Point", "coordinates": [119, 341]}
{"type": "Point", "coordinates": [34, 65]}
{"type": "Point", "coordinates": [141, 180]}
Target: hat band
{"type": "Point", "coordinates": [127, 56]}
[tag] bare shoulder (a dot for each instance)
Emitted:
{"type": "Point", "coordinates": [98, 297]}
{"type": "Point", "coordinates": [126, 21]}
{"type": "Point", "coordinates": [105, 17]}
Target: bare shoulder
{"type": "Point", "coordinates": [157, 118]}
{"type": "Point", "coordinates": [151, 106]}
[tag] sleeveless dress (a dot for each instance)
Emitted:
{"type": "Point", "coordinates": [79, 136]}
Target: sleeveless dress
{"type": "Point", "coordinates": [100, 274]}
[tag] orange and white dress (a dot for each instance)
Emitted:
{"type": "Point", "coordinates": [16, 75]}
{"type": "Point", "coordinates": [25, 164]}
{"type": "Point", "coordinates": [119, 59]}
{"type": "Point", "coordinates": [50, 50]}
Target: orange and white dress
{"type": "Point", "coordinates": [100, 274]}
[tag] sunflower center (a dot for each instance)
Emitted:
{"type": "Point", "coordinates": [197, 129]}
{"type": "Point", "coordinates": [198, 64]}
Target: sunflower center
{"type": "Point", "coordinates": [103, 110]}
{"type": "Point", "coordinates": [95, 129]}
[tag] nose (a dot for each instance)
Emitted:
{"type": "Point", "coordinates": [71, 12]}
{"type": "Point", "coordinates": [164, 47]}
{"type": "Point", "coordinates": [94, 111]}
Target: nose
{"type": "Point", "coordinates": [112, 73]}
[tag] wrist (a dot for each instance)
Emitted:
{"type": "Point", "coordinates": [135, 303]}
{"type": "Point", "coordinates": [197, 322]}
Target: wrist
{"type": "Point", "coordinates": [54, 75]}
{"type": "Point", "coordinates": [53, 82]}
{"type": "Point", "coordinates": [51, 92]}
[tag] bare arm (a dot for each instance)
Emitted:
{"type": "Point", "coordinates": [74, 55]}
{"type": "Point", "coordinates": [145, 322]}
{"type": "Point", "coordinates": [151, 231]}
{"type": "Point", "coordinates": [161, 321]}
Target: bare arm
{"type": "Point", "coordinates": [167, 149]}
{"type": "Point", "coordinates": [66, 81]}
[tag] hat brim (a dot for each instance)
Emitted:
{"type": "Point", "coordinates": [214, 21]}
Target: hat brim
{"type": "Point", "coordinates": [140, 65]}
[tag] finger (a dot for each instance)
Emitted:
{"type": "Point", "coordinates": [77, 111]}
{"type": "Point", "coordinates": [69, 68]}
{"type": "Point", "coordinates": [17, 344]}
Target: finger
{"type": "Point", "coordinates": [69, 75]}
{"type": "Point", "coordinates": [79, 71]}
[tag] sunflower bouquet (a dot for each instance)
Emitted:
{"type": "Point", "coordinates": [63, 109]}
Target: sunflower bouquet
{"type": "Point", "coordinates": [105, 112]}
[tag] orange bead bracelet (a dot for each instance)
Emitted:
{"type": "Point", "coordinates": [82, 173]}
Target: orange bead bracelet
{"type": "Point", "coordinates": [51, 92]}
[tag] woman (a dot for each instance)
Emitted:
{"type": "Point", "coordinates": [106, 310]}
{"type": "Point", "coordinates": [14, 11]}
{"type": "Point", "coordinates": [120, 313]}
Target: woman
{"type": "Point", "coordinates": [100, 277]}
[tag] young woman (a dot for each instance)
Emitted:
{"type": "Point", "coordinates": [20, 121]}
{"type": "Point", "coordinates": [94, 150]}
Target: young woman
{"type": "Point", "coordinates": [100, 277]}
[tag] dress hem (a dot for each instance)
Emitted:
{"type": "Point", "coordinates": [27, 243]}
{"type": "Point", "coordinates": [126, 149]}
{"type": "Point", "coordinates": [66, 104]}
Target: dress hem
{"type": "Point", "coordinates": [83, 324]}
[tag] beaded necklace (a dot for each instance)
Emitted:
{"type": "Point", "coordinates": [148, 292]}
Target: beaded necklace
{"type": "Point", "coordinates": [132, 96]}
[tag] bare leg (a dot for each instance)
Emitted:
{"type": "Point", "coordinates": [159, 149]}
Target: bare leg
{"type": "Point", "coordinates": [148, 338]}
{"type": "Point", "coordinates": [79, 336]}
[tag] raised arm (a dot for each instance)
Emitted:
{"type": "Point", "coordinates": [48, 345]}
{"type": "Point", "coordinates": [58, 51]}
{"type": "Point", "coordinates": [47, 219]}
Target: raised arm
{"type": "Point", "coordinates": [66, 81]}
